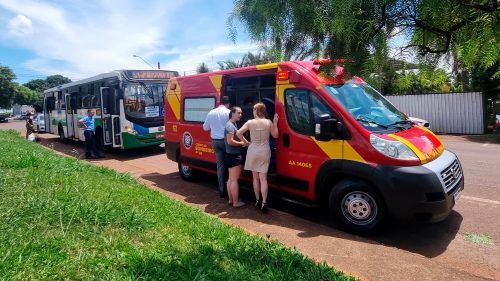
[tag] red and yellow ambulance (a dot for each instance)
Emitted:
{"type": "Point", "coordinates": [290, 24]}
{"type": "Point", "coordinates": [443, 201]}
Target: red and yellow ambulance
{"type": "Point", "coordinates": [341, 144]}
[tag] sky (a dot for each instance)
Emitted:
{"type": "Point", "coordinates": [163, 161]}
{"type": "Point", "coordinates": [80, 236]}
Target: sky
{"type": "Point", "coordinates": [79, 39]}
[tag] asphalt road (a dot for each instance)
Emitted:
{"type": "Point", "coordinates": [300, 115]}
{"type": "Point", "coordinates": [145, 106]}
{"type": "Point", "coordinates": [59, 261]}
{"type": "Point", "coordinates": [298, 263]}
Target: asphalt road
{"type": "Point", "coordinates": [402, 251]}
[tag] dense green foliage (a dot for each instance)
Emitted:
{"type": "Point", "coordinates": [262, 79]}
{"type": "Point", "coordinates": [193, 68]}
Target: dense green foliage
{"type": "Point", "coordinates": [465, 31]}
{"type": "Point", "coordinates": [29, 93]}
{"type": "Point", "coordinates": [6, 86]}
{"type": "Point", "coordinates": [63, 219]}
{"type": "Point", "coordinates": [202, 68]}
{"type": "Point", "coordinates": [247, 60]}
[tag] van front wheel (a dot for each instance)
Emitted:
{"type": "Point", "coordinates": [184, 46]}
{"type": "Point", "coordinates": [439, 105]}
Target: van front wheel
{"type": "Point", "coordinates": [356, 206]}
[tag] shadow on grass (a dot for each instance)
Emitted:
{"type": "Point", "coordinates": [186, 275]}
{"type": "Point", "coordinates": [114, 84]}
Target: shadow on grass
{"type": "Point", "coordinates": [426, 239]}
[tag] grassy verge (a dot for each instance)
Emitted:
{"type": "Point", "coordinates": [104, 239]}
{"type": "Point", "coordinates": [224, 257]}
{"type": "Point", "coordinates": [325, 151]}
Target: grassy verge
{"type": "Point", "coordinates": [61, 218]}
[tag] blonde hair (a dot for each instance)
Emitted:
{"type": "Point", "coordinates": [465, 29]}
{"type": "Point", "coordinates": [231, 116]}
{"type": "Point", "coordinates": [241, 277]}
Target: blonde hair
{"type": "Point", "coordinates": [260, 110]}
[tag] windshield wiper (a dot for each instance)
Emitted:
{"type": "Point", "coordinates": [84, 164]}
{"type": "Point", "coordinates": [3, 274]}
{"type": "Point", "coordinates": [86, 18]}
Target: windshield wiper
{"type": "Point", "coordinates": [402, 122]}
{"type": "Point", "coordinates": [367, 120]}
{"type": "Point", "coordinates": [148, 90]}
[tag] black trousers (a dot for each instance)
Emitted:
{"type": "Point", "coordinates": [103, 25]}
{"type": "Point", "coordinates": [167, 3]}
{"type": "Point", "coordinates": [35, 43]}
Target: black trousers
{"type": "Point", "coordinates": [90, 144]}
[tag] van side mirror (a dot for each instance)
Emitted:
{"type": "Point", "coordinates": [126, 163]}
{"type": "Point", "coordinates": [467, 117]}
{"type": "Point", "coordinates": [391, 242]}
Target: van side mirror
{"type": "Point", "coordinates": [327, 128]}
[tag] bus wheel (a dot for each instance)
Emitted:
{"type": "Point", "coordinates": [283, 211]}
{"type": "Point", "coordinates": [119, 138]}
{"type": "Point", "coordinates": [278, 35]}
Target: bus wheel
{"type": "Point", "coordinates": [187, 173]}
{"type": "Point", "coordinates": [356, 206]}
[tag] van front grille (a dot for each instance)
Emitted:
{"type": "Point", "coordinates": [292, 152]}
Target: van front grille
{"type": "Point", "coordinates": [451, 175]}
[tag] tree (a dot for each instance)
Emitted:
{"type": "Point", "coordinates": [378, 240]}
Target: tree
{"type": "Point", "coordinates": [24, 95]}
{"type": "Point", "coordinates": [466, 30]}
{"type": "Point", "coordinates": [56, 80]}
{"type": "Point", "coordinates": [6, 86]}
{"type": "Point", "coordinates": [248, 59]}
{"type": "Point", "coordinates": [40, 85]}
{"type": "Point", "coordinates": [202, 68]}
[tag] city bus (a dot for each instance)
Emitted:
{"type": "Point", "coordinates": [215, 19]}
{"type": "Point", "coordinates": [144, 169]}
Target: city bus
{"type": "Point", "coordinates": [127, 105]}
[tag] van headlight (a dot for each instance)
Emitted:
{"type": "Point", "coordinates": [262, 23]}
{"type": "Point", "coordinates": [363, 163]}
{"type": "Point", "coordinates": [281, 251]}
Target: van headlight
{"type": "Point", "coordinates": [394, 149]}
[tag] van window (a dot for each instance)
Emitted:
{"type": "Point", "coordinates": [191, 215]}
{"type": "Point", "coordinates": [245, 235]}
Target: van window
{"type": "Point", "coordinates": [196, 109]}
{"type": "Point", "coordinates": [303, 108]}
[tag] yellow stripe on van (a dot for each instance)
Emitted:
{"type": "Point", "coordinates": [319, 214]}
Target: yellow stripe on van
{"type": "Point", "coordinates": [174, 98]}
{"type": "Point", "coordinates": [413, 148]}
{"type": "Point", "coordinates": [216, 82]}
{"type": "Point", "coordinates": [351, 154]}
{"type": "Point", "coordinates": [281, 91]}
{"type": "Point", "coordinates": [332, 148]}
{"type": "Point", "coordinates": [266, 66]}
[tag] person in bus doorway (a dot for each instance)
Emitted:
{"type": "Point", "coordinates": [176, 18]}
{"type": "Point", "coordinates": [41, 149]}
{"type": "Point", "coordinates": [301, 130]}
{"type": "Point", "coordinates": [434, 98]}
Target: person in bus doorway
{"type": "Point", "coordinates": [233, 156]}
{"type": "Point", "coordinates": [88, 124]}
{"type": "Point", "coordinates": [259, 151]}
{"type": "Point", "coordinates": [29, 127]}
{"type": "Point", "coordinates": [215, 122]}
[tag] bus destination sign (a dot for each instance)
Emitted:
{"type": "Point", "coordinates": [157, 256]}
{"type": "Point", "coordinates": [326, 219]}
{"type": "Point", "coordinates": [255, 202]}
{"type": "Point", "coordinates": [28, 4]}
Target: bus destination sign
{"type": "Point", "coordinates": [150, 74]}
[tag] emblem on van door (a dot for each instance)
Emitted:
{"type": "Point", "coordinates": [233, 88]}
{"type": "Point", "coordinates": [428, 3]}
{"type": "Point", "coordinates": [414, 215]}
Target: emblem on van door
{"type": "Point", "coordinates": [426, 139]}
{"type": "Point", "coordinates": [187, 139]}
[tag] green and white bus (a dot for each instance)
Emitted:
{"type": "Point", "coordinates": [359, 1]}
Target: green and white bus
{"type": "Point", "coordinates": [128, 107]}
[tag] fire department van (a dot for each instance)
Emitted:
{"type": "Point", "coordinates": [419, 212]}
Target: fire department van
{"type": "Point", "coordinates": [341, 144]}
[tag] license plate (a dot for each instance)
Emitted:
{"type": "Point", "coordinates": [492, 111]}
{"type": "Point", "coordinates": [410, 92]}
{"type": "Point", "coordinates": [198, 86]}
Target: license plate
{"type": "Point", "coordinates": [457, 195]}
{"type": "Point", "coordinates": [159, 136]}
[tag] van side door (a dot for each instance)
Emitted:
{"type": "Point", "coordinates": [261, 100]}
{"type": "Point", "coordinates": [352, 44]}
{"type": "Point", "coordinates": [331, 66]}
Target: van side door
{"type": "Point", "coordinates": [299, 155]}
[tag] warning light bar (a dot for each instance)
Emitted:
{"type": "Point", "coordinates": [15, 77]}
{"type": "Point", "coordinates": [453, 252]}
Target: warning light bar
{"type": "Point", "coordinates": [283, 75]}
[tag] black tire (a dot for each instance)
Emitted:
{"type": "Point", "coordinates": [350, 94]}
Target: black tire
{"type": "Point", "coordinates": [356, 206]}
{"type": "Point", "coordinates": [187, 173]}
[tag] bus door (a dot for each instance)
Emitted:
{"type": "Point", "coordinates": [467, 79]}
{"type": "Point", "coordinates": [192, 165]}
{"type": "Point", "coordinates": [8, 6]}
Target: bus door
{"type": "Point", "coordinates": [70, 116]}
{"type": "Point", "coordinates": [47, 111]}
{"type": "Point", "coordinates": [107, 125]}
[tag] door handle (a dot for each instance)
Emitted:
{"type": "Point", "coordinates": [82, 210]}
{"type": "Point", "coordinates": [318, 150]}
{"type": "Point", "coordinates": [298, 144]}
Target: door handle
{"type": "Point", "coordinates": [286, 140]}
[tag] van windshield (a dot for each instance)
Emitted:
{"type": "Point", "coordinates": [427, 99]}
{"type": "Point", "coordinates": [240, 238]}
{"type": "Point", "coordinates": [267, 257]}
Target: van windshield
{"type": "Point", "coordinates": [368, 106]}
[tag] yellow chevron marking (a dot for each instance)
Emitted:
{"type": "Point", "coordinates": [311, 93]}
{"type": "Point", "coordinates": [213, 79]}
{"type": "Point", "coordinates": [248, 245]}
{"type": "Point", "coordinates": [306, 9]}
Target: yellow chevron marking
{"type": "Point", "coordinates": [216, 82]}
{"type": "Point", "coordinates": [332, 148]}
{"type": "Point", "coordinates": [351, 154]}
{"type": "Point", "coordinates": [417, 151]}
{"type": "Point", "coordinates": [174, 98]}
{"type": "Point", "coordinates": [266, 66]}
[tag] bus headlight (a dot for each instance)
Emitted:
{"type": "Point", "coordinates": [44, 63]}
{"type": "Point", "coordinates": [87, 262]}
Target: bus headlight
{"type": "Point", "coordinates": [393, 149]}
{"type": "Point", "coordinates": [130, 130]}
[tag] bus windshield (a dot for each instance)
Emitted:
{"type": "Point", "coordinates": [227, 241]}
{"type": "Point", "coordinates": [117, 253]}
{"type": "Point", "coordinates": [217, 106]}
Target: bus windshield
{"type": "Point", "coordinates": [144, 100]}
{"type": "Point", "coordinates": [368, 106]}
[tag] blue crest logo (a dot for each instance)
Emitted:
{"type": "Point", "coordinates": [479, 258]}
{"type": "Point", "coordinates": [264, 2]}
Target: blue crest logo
{"type": "Point", "coordinates": [187, 139]}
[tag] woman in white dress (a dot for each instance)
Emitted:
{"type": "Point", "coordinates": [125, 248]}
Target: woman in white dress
{"type": "Point", "coordinates": [259, 152]}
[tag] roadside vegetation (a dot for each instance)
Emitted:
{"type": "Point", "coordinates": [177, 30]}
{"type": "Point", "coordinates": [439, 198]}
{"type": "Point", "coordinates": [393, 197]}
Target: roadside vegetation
{"type": "Point", "coordinates": [61, 218]}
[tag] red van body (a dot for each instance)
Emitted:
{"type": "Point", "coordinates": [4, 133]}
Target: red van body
{"type": "Point", "coordinates": [341, 144]}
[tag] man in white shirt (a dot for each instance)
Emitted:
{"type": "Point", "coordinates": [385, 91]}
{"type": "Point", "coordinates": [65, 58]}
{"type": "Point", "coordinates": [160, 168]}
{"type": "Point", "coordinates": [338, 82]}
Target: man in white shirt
{"type": "Point", "coordinates": [215, 122]}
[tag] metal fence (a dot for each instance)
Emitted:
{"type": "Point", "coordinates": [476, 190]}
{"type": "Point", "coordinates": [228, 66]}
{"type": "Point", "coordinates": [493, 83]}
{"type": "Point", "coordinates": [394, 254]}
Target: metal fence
{"type": "Point", "coordinates": [453, 113]}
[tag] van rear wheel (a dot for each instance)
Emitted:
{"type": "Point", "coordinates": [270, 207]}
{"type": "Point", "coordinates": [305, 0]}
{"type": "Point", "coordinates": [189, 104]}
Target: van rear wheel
{"type": "Point", "coordinates": [356, 206]}
{"type": "Point", "coordinates": [187, 173]}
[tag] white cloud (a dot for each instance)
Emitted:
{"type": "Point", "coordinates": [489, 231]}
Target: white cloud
{"type": "Point", "coordinates": [190, 59]}
{"type": "Point", "coordinates": [79, 39]}
{"type": "Point", "coordinates": [20, 26]}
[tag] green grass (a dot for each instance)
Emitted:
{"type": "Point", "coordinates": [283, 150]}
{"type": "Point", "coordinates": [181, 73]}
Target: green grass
{"type": "Point", "coordinates": [478, 238]}
{"type": "Point", "coordinates": [61, 218]}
